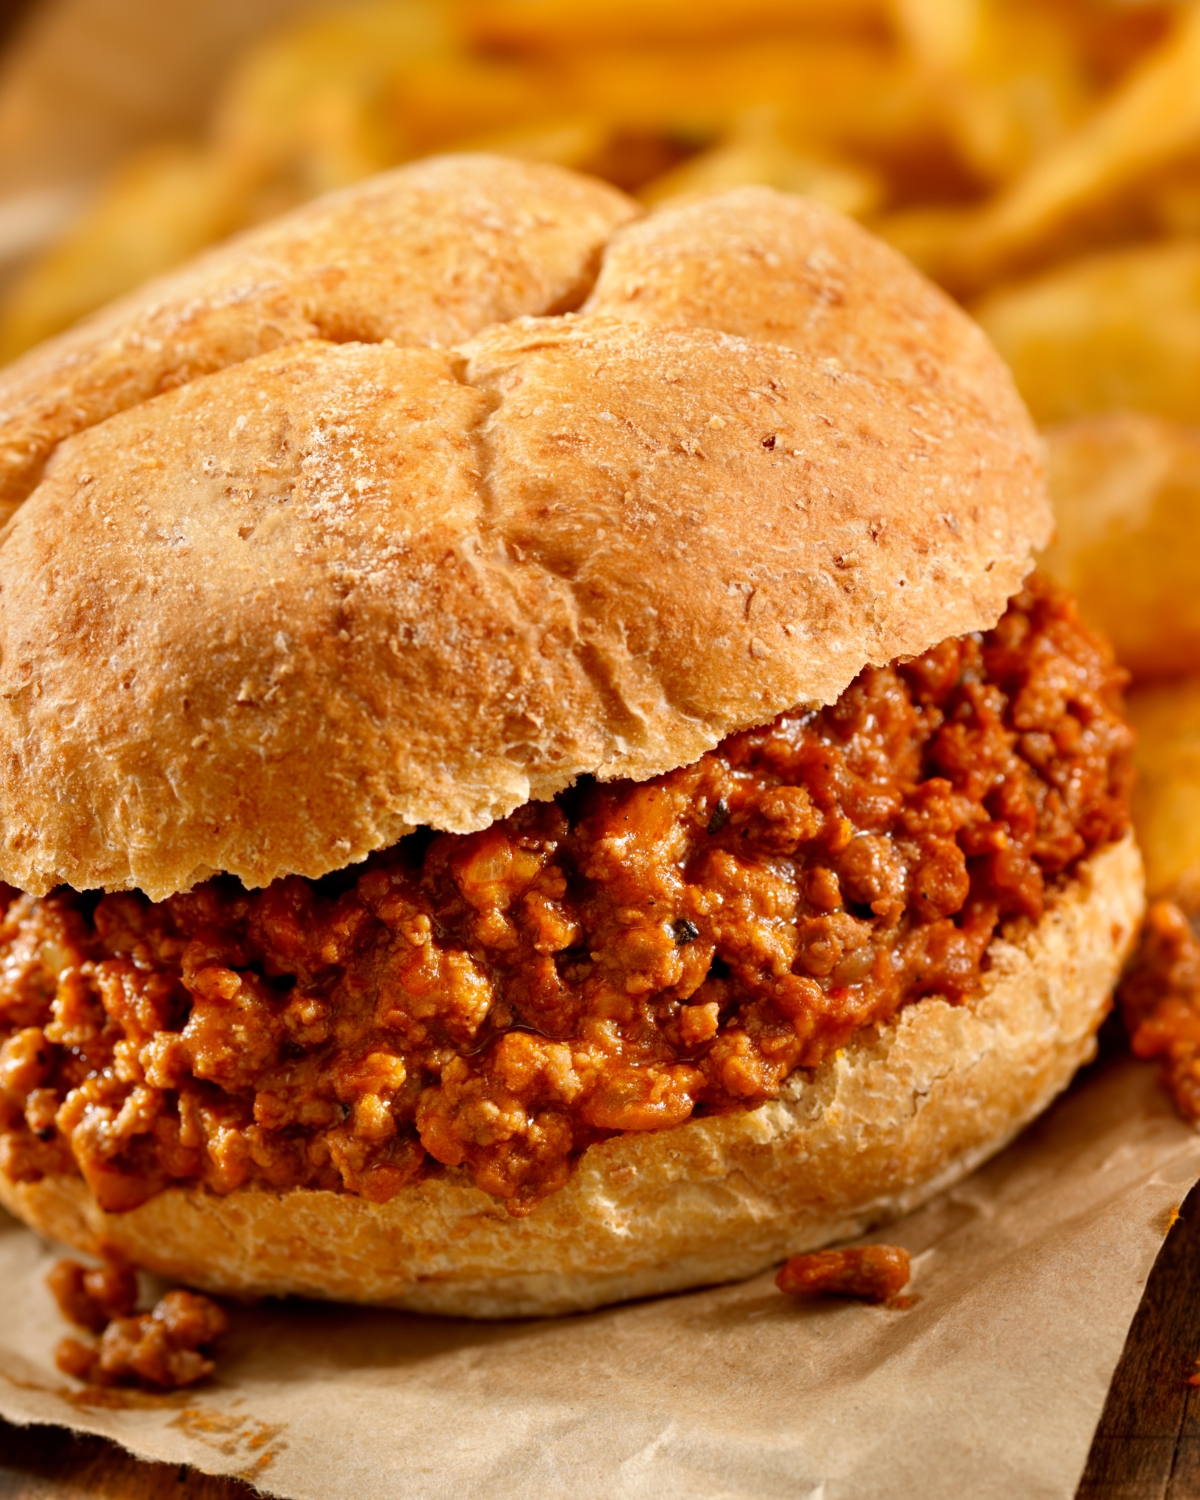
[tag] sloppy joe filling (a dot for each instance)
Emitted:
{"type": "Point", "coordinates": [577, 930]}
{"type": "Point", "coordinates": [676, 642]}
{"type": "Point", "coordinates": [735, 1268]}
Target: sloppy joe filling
{"type": "Point", "coordinates": [622, 958]}
{"type": "Point", "coordinates": [875, 1273]}
{"type": "Point", "coordinates": [1160, 1003]}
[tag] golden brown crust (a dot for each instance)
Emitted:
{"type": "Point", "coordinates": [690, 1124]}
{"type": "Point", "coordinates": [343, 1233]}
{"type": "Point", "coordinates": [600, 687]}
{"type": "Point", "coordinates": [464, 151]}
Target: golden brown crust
{"type": "Point", "coordinates": [781, 269]}
{"type": "Point", "coordinates": [867, 1136]}
{"type": "Point", "coordinates": [341, 591]}
{"type": "Point", "coordinates": [428, 254]}
{"type": "Point", "coordinates": [334, 592]}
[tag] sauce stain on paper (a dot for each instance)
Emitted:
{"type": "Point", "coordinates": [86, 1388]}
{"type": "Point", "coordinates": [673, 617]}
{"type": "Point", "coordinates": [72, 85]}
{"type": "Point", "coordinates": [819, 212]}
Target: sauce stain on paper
{"type": "Point", "coordinates": [241, 1437]}
{"type": "Point", "coordinates": [115, 1398]}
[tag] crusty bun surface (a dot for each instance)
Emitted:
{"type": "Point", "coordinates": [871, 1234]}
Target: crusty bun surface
{"type": "Point", "coordinates": [868, 1135]}
{"type": "Point", "coordinates": [371, 564]}
{"type": "Point", "coordinates": [426, 255]}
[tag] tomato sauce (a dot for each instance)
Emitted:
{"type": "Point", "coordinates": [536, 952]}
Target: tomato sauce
{"type": "Point", "coordinates": [623, 958]}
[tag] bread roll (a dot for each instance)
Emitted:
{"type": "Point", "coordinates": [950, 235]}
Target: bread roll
{"type": "Point", "coordinates": [430, 500]}
{"type": "Point", "coordinates": [391, 576]}
{"type": "Point", "coordinates": [429, 254]}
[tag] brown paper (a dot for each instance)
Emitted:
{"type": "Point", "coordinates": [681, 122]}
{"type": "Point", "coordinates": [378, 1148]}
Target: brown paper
{"type": "Point", "coordinates": [1026, 1277]}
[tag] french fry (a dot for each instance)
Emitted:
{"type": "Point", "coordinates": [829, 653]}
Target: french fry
{"type": "Point", "coordinates": [1166, 798]}
{"type": "Point", "coordinates": [1126, 493]}
{"type": "Point", "coordinates": [309, 109]}
{"type": "Point", "coordinates": [757, 151]}
{"type": "Point", "coordinates": [1113, 39]}
{"type": "Point", "coordinates": [904, 105]}
{"type": "Point", "coordinates": [1151, 121]}
{"type": "Point", "coordinates": [304, 112]}
{"type": "Point", "coordinates": [1008, 77]}
{"type": "Point", "coordinates": [1174, 202]}
{"type": "Point", "coordinates": [587, 143]}
{"type": "Point", "coordinates": [350, 91]}
{"type": "Point", "coordinates": [577, 143]}
{"type": "Point", "coordinates": [923, 233]}
{"type": "Point", "coordinates": [566, 25]}
{"type": "Point", "coordinates": [1120, 329]}
{"type": "Point", "coordinates": [828, 90]}
{"type": "Point", "coordinates": [459, 98]}
{"type": "Point", "coordinates": [162, 207]}
{"type": "Point", "coordinates": [839, 93]}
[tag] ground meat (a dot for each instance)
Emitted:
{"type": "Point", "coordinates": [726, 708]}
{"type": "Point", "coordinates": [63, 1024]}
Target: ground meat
{"type": "Point", "coordinates": [160, 1348]}
{"type": "Point", "coordinates": [1160, 1003]}
{"type": "Point", "coordinates": [874, 1273]}
{"type": "Point", "coordinates": [619, 959]}
{"type": "Point", "coordinates": [91, 1299]}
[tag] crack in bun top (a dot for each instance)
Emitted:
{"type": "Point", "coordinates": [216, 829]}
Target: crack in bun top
{"type": "Point", "coordinates": [405, 544]}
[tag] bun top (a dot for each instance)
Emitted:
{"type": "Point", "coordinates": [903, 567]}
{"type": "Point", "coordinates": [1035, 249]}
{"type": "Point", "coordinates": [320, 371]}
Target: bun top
{"type": "Point", "coordinates": [352, 526]}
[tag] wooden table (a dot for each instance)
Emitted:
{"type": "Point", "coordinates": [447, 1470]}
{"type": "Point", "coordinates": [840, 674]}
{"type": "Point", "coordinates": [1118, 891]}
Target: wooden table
{"type": "Point", "coordinates": [1146, 1448]}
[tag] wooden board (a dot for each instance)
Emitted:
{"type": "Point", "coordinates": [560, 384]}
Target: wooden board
{"type": "Point", "coordinates": [47, 1463]}
{"type": "Point", "coordinates": [1147, 1446]}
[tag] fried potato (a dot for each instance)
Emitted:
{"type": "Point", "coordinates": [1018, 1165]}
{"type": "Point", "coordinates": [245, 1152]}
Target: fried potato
{"type": "Point", "coordinates": [1126, 493]}
{"type": "Point", "coordinates": [1166, 797]}
{"type": "Point", "coordinates": [563, 25]}
{"type": "Point", "coordinates": [908, 107]}
{"type": "Point", "coordinates": [460, 98]}
{"type": "Point", "coordinates": [1148, 123]}
{"type": "Point", "coordinates": [828, 90]}
{"type": "Point", "coordinates": [1009, 78]}
{"type": "Point", "coordinates": [758, 151]}
{"type": "Point", "coordinates": [304, 112]}
{"type": "Point", "coordinates": [310, 108]}
{"type": "Point", "coordinates": [689, 98]}
{"type": "Point", "coordinates": [577, 143]}
{"type": "Point", "coordinates": [922, 233]}
{"type": "Point", "coordinates": [835, 93]}
{"type": "Point", "coordinates": [1174, 201]}
{"type": "Point", "coordinates": [1119, 329]}
{"type": "Point", "coordinates": [162, 207]}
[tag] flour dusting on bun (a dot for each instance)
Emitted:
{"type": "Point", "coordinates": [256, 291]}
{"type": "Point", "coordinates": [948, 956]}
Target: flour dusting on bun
{"type": "Point", "coordinates": [535, 770]}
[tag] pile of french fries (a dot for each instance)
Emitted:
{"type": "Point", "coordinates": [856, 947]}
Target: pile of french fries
{"type": "Point", "coordinates": [1039, 158]}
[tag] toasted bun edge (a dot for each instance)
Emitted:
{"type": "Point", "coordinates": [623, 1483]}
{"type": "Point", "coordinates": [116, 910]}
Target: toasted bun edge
{"type": "Point", "coordinates": [875, 1131]}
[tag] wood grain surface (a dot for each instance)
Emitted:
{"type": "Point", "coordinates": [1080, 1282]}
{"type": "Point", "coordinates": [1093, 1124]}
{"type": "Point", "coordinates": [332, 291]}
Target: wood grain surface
{"type": "Point", "coordinates": [48, 1463]}
{"type": "Point", "coordinates": [1147, 1446]}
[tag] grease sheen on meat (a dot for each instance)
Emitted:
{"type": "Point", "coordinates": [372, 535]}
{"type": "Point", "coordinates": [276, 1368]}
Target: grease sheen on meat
{"type": "Point", "coordinates": [619, 959]}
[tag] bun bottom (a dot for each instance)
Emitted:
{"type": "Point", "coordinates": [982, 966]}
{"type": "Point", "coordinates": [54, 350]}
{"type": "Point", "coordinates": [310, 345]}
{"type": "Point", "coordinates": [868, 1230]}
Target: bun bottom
{"type": "Point", "coordinates": [875, 1130]}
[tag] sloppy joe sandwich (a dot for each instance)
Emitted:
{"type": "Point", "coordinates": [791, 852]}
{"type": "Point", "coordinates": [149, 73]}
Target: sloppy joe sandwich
{"type": "Point", "coordinates": [535, 770]}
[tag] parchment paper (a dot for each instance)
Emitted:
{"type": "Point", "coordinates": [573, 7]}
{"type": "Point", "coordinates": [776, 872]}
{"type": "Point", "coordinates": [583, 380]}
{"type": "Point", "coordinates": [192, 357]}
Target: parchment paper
{"type": "Point", "coordinates": [1026, 1276]}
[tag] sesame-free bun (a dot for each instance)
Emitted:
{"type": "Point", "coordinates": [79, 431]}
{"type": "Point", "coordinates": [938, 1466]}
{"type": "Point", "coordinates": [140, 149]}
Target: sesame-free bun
{"type": "Point", "coordinates": [351, 527]}
{"type": "Point", "coordinates": [894, 1117]}
{"type": "Point", "coordinates": [427, 255]}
